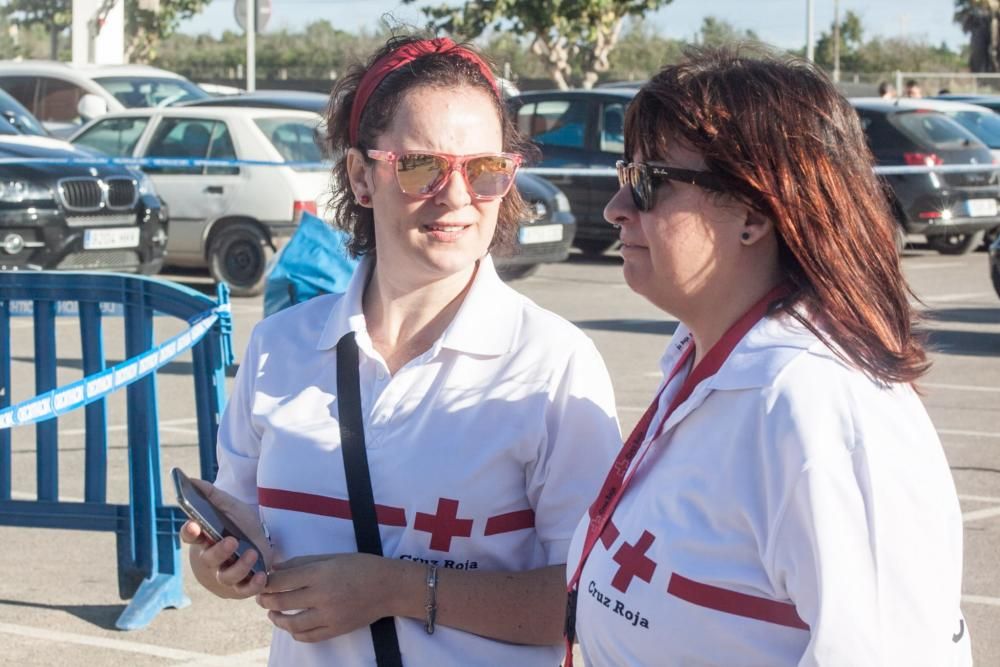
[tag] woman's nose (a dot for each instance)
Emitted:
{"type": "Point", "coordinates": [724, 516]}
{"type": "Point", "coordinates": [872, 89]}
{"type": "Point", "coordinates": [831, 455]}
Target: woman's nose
{"type": "Point", "coordinates": [620, 209]}
{"type": "Point", "coordinates": [455, 191]}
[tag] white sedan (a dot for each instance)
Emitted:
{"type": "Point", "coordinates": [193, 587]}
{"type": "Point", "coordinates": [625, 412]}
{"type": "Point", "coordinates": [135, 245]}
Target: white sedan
{"type": "Point", "coordinates": [229, 218]}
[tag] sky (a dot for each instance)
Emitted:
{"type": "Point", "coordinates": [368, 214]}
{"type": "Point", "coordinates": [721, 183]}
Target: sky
{"type": "Point", "coordinates": [779, 22]}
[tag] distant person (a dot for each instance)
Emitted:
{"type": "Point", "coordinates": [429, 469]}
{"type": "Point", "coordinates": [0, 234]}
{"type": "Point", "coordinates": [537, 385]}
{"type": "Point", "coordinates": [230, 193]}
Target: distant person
{"type": "Point", "coordinates": [912, 89]}
{"type": "Point", "coordinates": [887, 91]}
{"type": "Point", "coordinates": [785, 500]}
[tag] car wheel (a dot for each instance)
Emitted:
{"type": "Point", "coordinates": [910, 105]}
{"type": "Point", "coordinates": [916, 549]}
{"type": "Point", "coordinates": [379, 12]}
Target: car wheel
{"type": "Point", "coordinates": [991, 236]}
{"type": "Point", "coordinates": [955, 244]}
{"type": "Point", "coordinates": [516, 271]}
{"type": "Point", "coordinates": [592, 247]}
{"type": "Point", "coordinates": [238, 257]}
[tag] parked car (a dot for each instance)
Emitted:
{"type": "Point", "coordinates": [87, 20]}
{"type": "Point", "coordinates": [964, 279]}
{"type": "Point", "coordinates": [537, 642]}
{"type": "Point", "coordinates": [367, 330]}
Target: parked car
{"type": "Point", "coordinates": [543, 238]}
{"type": "Point", "coordinates": [991, 102]}
{"type": "Point", "coordinates": [994, 252]}
{"type": "Point", "coordinates": [15, 119]}
{"type": "Point", "coordinates": [579, 129]}
{"type": "Point", "coordinates": [58, 216]}
{"type": "Point", "coordinates": [64, 96]}
{"type": "Point", "coordinates": [230, 219]}
{"type": "Point", "coordinates": [952, 210]}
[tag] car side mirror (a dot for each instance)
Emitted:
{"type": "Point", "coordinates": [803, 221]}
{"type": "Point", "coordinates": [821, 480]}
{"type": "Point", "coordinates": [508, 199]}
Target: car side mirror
{"type": "Point", "coordinates": [91, 106]}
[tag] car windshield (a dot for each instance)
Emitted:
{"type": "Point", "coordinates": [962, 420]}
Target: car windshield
{"type": "Point", "coordinates": [934, 130]}
{"type": "Point", "coordinates": [985, 125]}
{"type": "Point", "coordinates": [296, 139]}
{"type": "Point", "coordinates": [18, 118]}
{"type": "Point", "coordinates": [140, 92]}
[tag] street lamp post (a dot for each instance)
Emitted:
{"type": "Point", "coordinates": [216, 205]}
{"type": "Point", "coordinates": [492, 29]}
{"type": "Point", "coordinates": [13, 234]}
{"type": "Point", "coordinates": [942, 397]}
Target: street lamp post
{"type": "Point", "coordinates": [810, 43]}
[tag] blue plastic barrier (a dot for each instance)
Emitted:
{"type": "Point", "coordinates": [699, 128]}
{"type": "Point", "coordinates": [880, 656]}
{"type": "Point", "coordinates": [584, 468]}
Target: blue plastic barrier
{"type": "Point", "coordinates": [149, 567]}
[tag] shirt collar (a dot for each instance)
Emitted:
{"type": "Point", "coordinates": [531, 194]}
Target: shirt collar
{"type": "Point", "coordinates": [757, 358]}
{"type": "Point", "coordinates": [484, 324]}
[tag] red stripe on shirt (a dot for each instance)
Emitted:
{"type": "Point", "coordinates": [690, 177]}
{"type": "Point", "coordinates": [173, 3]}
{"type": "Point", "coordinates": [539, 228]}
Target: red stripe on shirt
{"type": "Point", "coordinates": [731, 602]}
{"type": "Point", "coordinates": [510, 522]}
{"type": "Point", "coordinates": [311, 503]}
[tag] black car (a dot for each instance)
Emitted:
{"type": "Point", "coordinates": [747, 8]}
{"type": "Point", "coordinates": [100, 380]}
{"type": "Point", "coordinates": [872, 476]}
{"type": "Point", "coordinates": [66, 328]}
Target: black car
{"type": "Point", "coordinates": [995, 264]}
{"type": "Point", "coordinates": [952, 210]}
{"type": "Point", "coordinates": [544, 237]}
{"type": "Point", "coordinates": [61, 216]}
{"type": "Point", "coordinates": [580, 129]}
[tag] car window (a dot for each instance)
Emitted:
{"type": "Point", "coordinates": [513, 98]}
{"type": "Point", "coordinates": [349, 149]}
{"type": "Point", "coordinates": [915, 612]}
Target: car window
{"type": "Point", "coordinates": [57, 100]}
{"type": "Point", "coordinates": [139, 92]}
{"type": "Point", "coordinates": [194, 138]}
{"type": "Point", "coordinates": [114, 136]}
{"type": "Point", "coordinates": [613, 128]}
{"type": "Point", "coordinates": [22, 89]}
{"type": "Point", "coordinates": [882, 137]}
{"type": "Point", "coordinates": [933, 130]}
{"type": "Point", "coordinates": [294, 138]}
{"type": "Point", "coordinates": [554, 122]}
{"type": "Point", "coordinates": [984, 125]}
{"type": "Point", "coordinates": [221, 148]}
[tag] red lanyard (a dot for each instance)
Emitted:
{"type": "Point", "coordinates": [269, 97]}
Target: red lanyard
{"type": "Point", "coordinates": [616, 482]}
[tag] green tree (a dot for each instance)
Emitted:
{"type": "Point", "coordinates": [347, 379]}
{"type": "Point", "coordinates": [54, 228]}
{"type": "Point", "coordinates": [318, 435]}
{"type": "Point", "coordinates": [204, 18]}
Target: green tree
{"type": "Point", "coordinates": [851, 40]}
{"type": "Point", "coordinates": [147, 24]}
{"type": "Point", "coordinates": [981, 19]}
{"type": "Point", "coordinates": [54, 15]}
{"type": "Point", "coordinates": [718, 32]}
{"type": "Point", "coordinates": [565, 34]}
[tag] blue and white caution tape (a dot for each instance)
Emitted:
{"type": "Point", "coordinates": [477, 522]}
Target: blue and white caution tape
{"type": "Point", "coordinates": [83, 392]}
{"type": "Point", "coordinates": [162, 162]}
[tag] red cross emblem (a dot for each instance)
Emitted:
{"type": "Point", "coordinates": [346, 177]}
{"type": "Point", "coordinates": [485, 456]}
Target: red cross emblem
{"type": "Point", "coordinates": [633, 562]}
{"type": "Point", "coordinates": [444, 525]}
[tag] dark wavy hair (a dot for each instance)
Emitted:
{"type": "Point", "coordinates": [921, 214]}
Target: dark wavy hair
{"type": "Point", "coordinates": [446, 71]}
{"type": "Point", "coordinates": [792, 148]}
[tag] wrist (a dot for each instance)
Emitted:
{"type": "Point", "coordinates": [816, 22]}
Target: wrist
{"type": "Point", "coordinates": [406, 590]}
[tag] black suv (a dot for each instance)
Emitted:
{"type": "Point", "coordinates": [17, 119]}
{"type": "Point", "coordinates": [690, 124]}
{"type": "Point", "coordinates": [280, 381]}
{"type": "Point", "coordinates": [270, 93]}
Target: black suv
{"type": "Point", "coordinates": [952, 210]}
{"type": "Point", "coordinates": [580, 129]}
{"type": "Point", "coordinates": [72, 217]}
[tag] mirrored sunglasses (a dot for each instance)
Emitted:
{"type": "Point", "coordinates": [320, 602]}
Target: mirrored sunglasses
{"type": "Point", "coordinates": [422, 174]}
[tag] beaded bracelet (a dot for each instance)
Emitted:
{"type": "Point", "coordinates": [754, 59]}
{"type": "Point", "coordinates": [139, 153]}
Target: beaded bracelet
{"type": "Point", "coordinates": [431, 606]}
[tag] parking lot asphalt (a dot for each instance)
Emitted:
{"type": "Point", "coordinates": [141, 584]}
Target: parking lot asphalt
{"type": "Point", "coordinates": [58, 590]}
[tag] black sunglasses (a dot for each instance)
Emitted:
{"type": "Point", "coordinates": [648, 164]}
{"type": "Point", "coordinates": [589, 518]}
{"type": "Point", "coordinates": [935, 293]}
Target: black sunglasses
{"type": "Point", "coordinates": [643, 179]}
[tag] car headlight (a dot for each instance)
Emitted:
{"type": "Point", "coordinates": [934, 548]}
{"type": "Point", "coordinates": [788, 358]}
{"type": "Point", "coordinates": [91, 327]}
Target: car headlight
{"type": "Point", "coordinates": [15, 192]}
{"type": "Point", "coordinates": [539, 209]}
{"type": "Point", "coordinates": [562, 201]}
{"type": "Point", "coordinates": [144, 183]}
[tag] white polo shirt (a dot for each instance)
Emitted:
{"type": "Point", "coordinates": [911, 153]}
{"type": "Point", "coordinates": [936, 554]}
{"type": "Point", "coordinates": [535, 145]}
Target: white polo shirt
{"type": "Point", "coordinates": [792, 512]}
{"type": "Point", "coordinates": [484, 451]}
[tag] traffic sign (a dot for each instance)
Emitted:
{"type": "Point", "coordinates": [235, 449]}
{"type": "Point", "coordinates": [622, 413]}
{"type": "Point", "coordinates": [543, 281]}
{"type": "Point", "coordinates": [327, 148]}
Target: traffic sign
{"type": "Point", "coordinates": [263, 13]}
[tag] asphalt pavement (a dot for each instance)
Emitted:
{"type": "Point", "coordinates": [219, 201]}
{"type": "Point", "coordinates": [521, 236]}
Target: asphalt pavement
{"type": "Point", "coordinates": [58, 589]}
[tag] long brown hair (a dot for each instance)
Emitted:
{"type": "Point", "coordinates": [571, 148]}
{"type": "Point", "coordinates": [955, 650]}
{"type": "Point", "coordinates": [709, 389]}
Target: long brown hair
{"type": "Point", "coordinates": [437, 70]}
{"type": "Point", "coordinates": [792, 148]}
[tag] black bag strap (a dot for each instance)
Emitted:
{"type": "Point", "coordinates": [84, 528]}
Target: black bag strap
{"type": "Point", "coordinates": [359, 485]}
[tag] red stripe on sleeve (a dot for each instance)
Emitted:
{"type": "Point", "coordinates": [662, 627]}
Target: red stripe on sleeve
{"type": "Point", "coordinates": [510, 522]}
{"type": "Point", "coordinates": [731, 602]}
{"type": "Point", "coordinates": [338, 508]}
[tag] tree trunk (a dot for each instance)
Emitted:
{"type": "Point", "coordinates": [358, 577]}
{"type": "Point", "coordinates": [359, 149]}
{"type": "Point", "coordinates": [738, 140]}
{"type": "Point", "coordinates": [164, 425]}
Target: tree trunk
{"type": "Point", "coordinates": [54, 42]}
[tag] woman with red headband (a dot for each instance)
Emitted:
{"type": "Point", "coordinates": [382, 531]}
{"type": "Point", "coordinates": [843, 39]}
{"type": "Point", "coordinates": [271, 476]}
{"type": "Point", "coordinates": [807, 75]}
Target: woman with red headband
{"type": "Point", "coordinates": [785, 501]}
{"type": "Point", "coordinates": [486, 420]}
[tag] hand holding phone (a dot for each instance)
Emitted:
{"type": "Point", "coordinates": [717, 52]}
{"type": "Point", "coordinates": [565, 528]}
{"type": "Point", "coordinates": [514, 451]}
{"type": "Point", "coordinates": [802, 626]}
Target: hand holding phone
{"type": "Point", "coordinates": [217, 521]}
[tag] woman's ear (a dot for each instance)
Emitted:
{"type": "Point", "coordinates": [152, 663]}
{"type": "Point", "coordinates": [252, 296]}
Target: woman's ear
{"type": "Point", "coordinates": [755, 227]}
{"type": "Point", "coordinates": [358, 176]}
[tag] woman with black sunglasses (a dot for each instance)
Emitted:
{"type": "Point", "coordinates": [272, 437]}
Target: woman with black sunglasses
{"type": "Point", "coordinates": [785, 500]}
{"type": "Point", "coordinates": [485, 420]}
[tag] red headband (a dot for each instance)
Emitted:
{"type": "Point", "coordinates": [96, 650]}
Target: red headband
{"type": "Point", "coordinates": [402, 56]}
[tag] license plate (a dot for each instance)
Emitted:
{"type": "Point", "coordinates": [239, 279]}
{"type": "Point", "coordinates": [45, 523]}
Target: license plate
{"type": "Point", "coordinates": [540, 234]}
{"type": "Point", "coordinates": [119, 237]}
{"type": "Point", "coordinates": [981, 207]}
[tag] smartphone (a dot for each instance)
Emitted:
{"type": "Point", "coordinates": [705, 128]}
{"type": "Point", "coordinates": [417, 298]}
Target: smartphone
{"type": "Point", "coordinates": [215, 523]}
